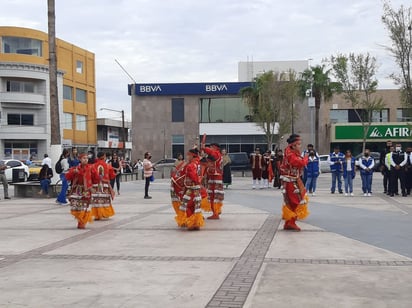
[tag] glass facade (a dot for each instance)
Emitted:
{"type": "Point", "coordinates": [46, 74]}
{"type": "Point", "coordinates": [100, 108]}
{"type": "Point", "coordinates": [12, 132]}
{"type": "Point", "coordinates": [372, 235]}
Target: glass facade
{"type": "Point", "coordinates": [19, 86]}
{"type": "Point", "coordinates": [21, 45]}
{"type": "Point", "coordinates": [223, 110]}
{"type": "Point", "coordinates": [239, 143]}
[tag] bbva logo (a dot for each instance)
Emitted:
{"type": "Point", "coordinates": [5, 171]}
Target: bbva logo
{"type": "Point", "coordinates": [215, 87]}
{"type": "Point", "coordinates": [150, 89]}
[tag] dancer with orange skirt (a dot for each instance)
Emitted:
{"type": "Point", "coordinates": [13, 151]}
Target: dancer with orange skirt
{"type": "Point", "coordinates": [102, 192]}
{"type": "Point", "coordinates": [177, 185]}
{"type": "Point", "coordinates": [81, 177]}
{"type": "Point", "coordinates": [190, 214]}
{"type": "Point", "coordinates": [294, 192]}
{"type": "Point", "coordinates": [214, 174]}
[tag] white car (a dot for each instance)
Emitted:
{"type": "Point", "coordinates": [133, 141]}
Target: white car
{"type": "Point", "coordinates": [323, 162]}
{"type": "Point", "coordinates": [11, 164]}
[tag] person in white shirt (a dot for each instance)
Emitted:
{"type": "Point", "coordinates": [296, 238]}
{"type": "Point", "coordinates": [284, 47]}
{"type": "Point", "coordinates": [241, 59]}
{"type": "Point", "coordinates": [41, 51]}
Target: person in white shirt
{"type": "Point", "coordinates": [47, 161]}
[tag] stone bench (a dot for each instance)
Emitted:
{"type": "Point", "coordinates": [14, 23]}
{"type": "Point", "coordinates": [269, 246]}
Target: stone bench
{"type": "Point", "coordinates": [31, 189]}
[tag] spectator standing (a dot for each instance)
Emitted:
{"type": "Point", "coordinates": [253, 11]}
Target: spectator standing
{"type": "Point", "coordinates": [277, 162]}
{"type": "Point", "coordinates": [45, 176]}
{"type": "Point", "coordinates": [392, 188]}
{"type": "Point", "coordinates": [148, 173]}
{"type": "Point", "coordinates": [73, 159]}
{"type": "Point", "coordinates": [312, 171]}
{"type": "Point", "coordinates": [3, 180]}
{"type": "Point", "coordinates": [61, 198]}
{"type": "Point", "coordinates": [227, 172]}
{"type": "Point", "coordinates": [398, 162]}
{"type": "Point", "coordinates": [47, 160]}
{"type": "Point", "coordinates": [115, 163]}
{"type": "Point", "coordinates": [366, 164]}
{"type": "Point", "coordinates": [408, 171]}
{"type": "Point", "coordinates": [349, 172]}
{"type": "Point", "coordinates": [384, 168]}
{"type": "Point", "coordinates": [309, 148]}
{"type": "Point", "coordinates": [335, 161]}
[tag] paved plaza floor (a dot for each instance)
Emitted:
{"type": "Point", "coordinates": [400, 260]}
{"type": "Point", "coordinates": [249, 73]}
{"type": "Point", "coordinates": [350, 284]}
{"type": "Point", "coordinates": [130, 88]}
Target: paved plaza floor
{"type": "Point", "coordinates": [140, 258]}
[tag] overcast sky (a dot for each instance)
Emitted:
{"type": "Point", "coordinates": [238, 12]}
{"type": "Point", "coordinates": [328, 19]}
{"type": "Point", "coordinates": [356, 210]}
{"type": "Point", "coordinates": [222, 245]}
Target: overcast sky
{"type": "Point", "coordinates": [203, 40]}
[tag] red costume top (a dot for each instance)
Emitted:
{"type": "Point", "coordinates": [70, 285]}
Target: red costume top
{"type": "Point", "coordinates": [293, 163]}
{"type": "Point", "coordinates": [191, 173]}
{"type": "Point", "coordinates": [104, 170]}
{"type": "Point", "coordinates": [214, 168]}
{"type": "Point", "coordinates": [84, 175]}
{"type": "Point", "coordinates": [256, 160]}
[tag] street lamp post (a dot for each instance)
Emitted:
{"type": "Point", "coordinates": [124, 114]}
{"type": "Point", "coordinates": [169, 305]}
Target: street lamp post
{"type": "Point", "coordinates": [123, 128]}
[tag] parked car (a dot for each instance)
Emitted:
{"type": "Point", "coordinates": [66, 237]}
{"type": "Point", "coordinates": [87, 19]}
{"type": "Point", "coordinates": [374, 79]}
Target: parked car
{"type": "Point", "coordinates": [323, 163]}
{"type": "Point", "coordinates": [376, 157]}
{"type": "Point", "coordinates": [165, 162]}
{"type": "Point", "coordinates": [240, 161]}
{"type": "Point", "coordinates": [15, 164]}
{"type": "Point", "coordinates": [34, 170]}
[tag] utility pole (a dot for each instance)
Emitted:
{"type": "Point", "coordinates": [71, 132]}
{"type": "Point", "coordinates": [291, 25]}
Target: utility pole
{"type": "Point", "coordinates": [55, 137]}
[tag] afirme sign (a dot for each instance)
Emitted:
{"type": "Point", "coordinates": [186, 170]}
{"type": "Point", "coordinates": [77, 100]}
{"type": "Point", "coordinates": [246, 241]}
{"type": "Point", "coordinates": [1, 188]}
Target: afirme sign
{"type": "Point", "coordinates": [210, 88]}
{"type": "Point", "coordinates": [401, 132]}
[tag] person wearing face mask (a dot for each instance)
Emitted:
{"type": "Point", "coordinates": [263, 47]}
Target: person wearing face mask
{"type": "Point", "coordinates": [148, 173]}
{"type": "Point", "coordinates": [398, 162]}
{"type": "Point", "coordinates": [392, 188]}
{"type": "Point", "coordinates": [366, 164]}
{"type": "Point", "coordinates": [312, 171]}
{"type": "Point", "coordinates": [384, 168]}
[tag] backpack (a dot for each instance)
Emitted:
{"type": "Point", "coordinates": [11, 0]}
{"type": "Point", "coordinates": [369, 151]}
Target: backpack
{"type": "Point", "coordinates": [58, 167]}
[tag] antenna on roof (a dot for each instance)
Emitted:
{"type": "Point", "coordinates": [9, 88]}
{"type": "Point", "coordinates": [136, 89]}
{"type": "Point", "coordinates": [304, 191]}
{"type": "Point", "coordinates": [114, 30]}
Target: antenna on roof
{"type": "Point", "coordinates": [124, 70]}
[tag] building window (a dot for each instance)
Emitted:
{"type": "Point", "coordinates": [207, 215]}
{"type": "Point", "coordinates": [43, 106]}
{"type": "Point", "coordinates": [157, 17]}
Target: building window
{"type": "Point", "coordinates": [20, 119]}
{"type": "Point", "coordinates": [67, 120]}
{"type": "Point", "coordinates": [81, 96]}
{"type": "Point", "coordinates": [178, 110]}
{"type": "Point", "coordinates": [68, 93]}
{"type": "Point", "coordinates": [21, 45]}
{"type": "Point", "coordinates": [338, 116]}
{"type": "Point", "coordinates": [404, 115]}
{"type": "Point", "coordinates": [19, 86]}
{"type": "Point", "coordinates": [223, 110]}
{"type": "Point", "coordinates": [81, 122]}
{"type": "Point", "coordinates": [79, 67]}
{"type": "Point", "coordinates": [380, 115]}
{"type": "Point", "coordinates": [178, 145]}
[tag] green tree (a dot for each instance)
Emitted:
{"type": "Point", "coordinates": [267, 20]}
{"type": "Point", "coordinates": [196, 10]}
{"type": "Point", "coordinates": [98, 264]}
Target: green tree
{"type": "Point", "coordinates": [356, 74]}
{"type": "Point", "coordinates": [399, 25]}
{"type": "Point", "coordinates": [315, 82]}
{"type": "Point", "coordinates": [267, 105]}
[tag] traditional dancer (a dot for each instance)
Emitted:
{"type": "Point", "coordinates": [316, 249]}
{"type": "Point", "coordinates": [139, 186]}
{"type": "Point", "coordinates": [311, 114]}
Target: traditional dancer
{"type": "Point", "coordinates": [256, 160]}
{"type": "Point", "coordinates": [214, 173]}
{"type": "Point", "coordinates": [81, 178]}
{"type": "Point", "coordinates": [294, 192]}
{"type": "Point", "coordinates": [177, 185]}
{"type": "Point", "coordinates": [102, 194]}
{"type": "Point", "coordinates": [190, 214]}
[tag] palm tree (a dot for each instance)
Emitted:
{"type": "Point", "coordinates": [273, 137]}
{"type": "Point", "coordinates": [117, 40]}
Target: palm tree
{"type": "Point", "coordinates": [316, 79]}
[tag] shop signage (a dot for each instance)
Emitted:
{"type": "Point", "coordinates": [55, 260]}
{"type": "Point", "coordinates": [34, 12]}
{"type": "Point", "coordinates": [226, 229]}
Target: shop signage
{"type": "Point", "coordinates": [375, 132]}
{"type": "Point", "coordinates": [215, 88]}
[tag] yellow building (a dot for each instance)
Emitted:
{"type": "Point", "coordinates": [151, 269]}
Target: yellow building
{"type": "Point", "coordinates": [24, 94]}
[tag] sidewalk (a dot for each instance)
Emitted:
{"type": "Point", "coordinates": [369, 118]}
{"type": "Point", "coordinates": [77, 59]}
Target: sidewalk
{"type": "Point", "coordinates": [139, 258]}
